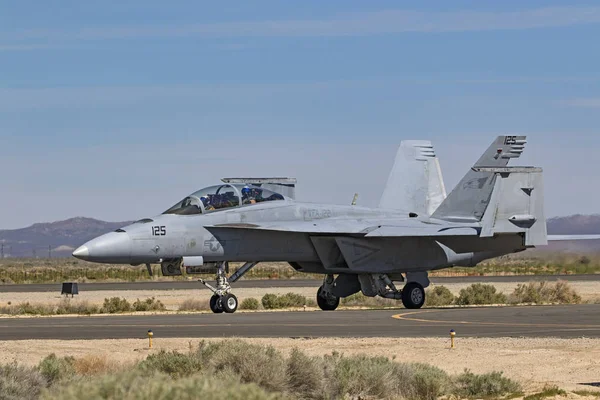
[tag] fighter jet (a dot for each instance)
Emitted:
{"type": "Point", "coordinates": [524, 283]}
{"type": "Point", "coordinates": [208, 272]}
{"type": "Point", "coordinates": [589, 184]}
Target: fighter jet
{"type": "Point", "coordinates": [417, 228]}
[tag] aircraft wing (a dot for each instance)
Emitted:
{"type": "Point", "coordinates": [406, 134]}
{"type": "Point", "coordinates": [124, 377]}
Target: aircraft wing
{"type": "Point", "coordinates": [365, 228]}
{"type": "Point", "coordinates": [572, 237]}
{"type": "Point", "coordinates": [400, 231]}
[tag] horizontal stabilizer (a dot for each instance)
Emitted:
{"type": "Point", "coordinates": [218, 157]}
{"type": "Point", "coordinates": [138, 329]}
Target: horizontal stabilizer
{"type": "Point", "coordinates": [556, 238]}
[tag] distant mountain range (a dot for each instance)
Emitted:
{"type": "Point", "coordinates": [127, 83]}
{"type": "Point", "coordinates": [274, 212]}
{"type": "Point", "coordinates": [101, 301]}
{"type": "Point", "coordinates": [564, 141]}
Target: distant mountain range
{"type": "Point", "coordinates": [57, 238]}
{"type": "Point", "coordinates": [61, 237]}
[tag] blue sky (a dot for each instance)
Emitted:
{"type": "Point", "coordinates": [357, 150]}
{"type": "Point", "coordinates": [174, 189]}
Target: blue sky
{"type": "Point", "coordinates": [115, 110]}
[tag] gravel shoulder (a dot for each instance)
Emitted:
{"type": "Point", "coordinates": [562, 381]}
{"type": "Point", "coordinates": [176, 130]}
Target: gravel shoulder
{"type": "Point", "coordinates": [589, 291]}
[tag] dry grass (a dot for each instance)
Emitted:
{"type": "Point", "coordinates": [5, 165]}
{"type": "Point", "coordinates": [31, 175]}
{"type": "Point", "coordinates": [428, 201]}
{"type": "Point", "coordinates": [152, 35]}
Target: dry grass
{"type": "Point", "coordinates": [20, 383]}
{"type": "Point", "coordinates": [549, 391]}
{"type": "Point", "coordinates": [94, 364]}
{"type": "Point", "coordinates": [360, 300]}
{"type": "Point", "coordinates": [194, 305]}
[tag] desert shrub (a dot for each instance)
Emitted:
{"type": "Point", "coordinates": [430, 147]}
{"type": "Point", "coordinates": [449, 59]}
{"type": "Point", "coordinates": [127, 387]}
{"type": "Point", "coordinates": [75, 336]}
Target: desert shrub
{"type": "Point", "coordinates": [439, 296]}
{"type": "Point", "coordinates": [479, 293]}
{"type": "Point", "coordinates": [269, 301]}
{"type": "Point", "coordinates": [468, 384]}
{"type": "Point", "coordinates": [291, 300]}
{"type": "Point", "coordinates": [379, 377]}
{"type": "Point", "coordinates": [362, 376]}
{"type": "Point", "coordinates": [20, 383]}
{"type": "Point", "coordinates": [136, 386]}
{"type": "Point", "coordinates": [262, 365]}
{"type": "Point", "coordinates": [115, 305]}
{"type": "Point", "coordinates": [67, 306]}
{"type": "Point", "coordinates": [250, 304]}
{"type": "Point", "coordinates": [150, 304]}
{"type": "Point", "coordinates": [194, 305]}
{"type": "Point", "coordinates": [306, 376]}
{"type": "Point", "coordinates": [172, 363]}
{"type": "Point", "coordinates": [545, 292]}
{"type": "Point", "coordinates": [426, 382]}
{"type": "Point", "coordinates": [272, 301]}
{"type": "Point", "coordinates": [55, 369]}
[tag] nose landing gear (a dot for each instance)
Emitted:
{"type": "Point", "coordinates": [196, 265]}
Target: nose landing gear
{"type": "Point", "coordinates": [223, 300]}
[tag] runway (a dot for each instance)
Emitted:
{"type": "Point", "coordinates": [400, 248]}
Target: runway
{"type": "Point", "coordinates": [531, 321]}
{"type": "Point", "coordinates": [266, 283]}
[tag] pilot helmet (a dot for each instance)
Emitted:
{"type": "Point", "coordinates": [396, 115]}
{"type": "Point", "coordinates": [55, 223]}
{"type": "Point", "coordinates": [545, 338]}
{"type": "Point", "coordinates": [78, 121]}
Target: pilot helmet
{"type": "Point", "coordinates": [246, 191]}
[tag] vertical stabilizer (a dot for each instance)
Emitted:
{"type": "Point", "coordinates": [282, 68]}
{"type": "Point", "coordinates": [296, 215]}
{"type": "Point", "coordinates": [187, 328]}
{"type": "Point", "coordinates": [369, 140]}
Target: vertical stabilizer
{"type": "Point", "coordinates": [415, 183]}
{"type": "Point", "coordinates": [469, 199]}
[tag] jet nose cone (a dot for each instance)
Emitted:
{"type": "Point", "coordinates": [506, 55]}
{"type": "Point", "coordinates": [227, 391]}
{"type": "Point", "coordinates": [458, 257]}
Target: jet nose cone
{"type": "Point", "coordinates": [82, 252]}
{"type": "Point", "coordinates": [112, 248]}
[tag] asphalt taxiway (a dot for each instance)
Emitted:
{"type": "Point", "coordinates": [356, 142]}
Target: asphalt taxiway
{"type": "Point", "coordinates": [523, 321]}
{"type": "Point", "coordinates": [272, 283]}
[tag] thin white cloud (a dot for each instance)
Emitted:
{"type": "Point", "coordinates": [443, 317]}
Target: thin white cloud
{"type": "Point", "coordinates": [23, 47]}
{"type": "Point", "coordinates": [347, 24]}
{"type": "Point", "coordinates": [588, 102]}
{"type": "Point", "coordinates": [12, 99]}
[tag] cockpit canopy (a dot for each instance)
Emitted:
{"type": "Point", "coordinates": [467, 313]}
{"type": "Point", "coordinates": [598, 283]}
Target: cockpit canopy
{"type": "Point", "coordinates": [220, 197]}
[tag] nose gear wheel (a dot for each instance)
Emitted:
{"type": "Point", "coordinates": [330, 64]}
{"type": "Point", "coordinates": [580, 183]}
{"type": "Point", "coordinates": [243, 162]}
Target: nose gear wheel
{"type": "Point", "coordinates": [223, 300]}
{"type": "Point", "coordinates": [215, 304]}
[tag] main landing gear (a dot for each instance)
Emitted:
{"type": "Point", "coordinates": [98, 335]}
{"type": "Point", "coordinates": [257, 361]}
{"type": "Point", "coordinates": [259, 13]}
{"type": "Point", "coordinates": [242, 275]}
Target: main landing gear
{"type": "Point", "coordinates": [223, 300]}
{"type": "Point", "coordinates": [412, 295]}
{"type": "Point", "coordinates": [326, 300]}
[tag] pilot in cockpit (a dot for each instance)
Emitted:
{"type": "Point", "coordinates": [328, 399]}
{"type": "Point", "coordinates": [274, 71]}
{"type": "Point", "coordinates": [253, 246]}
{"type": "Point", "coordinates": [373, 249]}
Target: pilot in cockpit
{"type": "Point", "coordinates": [246, 198]}
{"type": "Point", "coordinates": [250, 195]}
{"type": "Point", "coordinates": [207, 204]}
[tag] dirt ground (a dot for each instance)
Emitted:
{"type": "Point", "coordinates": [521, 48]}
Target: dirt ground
{"type": "Point", "coordinates": [589, 291]}
{"type": "Point", "coordinates": [567, 363]}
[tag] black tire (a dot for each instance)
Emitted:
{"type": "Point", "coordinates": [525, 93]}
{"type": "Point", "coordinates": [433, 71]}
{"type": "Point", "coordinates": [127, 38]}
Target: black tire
{"type": "Point", "coordinates": [229, 303]}
{"type": "Point", "coordinates": [413, 295]}
{"type": "Point", "coordinates": [215, 304]}
{"type": "Point", "coordinates": [328, 303]}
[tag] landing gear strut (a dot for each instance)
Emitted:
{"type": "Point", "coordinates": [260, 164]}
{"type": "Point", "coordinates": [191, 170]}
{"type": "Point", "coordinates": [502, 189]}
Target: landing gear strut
{"type": "Point", "coordinates": [223, 300]}
{"type": "Point", "coordinates": [326, 300]}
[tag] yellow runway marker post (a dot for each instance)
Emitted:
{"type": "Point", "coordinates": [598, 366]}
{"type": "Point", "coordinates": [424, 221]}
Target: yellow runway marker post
{"type": "Point", "coordinates": [452, 334]}
{"type": "Point", "coordinates": [150, 334]}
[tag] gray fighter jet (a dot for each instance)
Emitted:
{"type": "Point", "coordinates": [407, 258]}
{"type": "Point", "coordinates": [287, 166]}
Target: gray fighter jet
{"type": "Point", "coordinates": [494, 210]}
